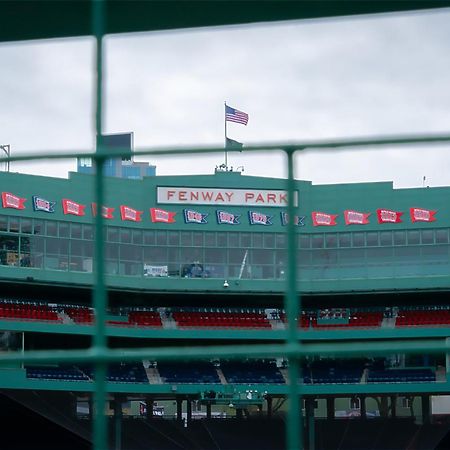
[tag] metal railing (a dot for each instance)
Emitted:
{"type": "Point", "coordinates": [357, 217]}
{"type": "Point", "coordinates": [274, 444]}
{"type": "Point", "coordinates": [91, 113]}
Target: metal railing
{"type": "Point", "coordinates": [100, 355]}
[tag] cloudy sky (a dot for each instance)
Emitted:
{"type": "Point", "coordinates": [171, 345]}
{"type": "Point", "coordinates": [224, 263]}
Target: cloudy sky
{"type": "Point", "coordinates": [319, 79]}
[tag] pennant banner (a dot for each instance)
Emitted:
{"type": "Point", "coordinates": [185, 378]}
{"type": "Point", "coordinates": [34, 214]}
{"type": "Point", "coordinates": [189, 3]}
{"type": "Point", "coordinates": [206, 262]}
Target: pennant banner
{"type": "Point", "coordinates": [356, 218]}
{"type": "Point", "coordinates": [388, 216]}
{"type": "Point", "coordinates": [224, 217]}
{"type": "Point", "coordinates": [40, 204]}
{"type": "Point", "coordinates": [107, 213]}
{"type": "Point", "coordinates": [127, 213]}
{"type": "Point", "coordinates": [12, 201]}
{"type": "Point", "coordinates": [422, 215]}
{"type": "Point", "coordinates": [257, 218]}
{"type": "Point", "coordinates": [323, 219]}
{"type": "Point", "coordinates": [71, 207]}
{"type": "Point", "coordinates": [191, 216]}
{"type": "Point", "coordinates": [298, 220]}
{"type": "Point", "coordinates": [160, 215]}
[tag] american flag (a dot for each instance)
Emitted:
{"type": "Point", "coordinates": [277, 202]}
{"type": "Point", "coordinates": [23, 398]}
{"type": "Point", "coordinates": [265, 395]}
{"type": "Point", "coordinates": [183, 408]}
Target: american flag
{"type": "Point", "coordinates": [234, 115]}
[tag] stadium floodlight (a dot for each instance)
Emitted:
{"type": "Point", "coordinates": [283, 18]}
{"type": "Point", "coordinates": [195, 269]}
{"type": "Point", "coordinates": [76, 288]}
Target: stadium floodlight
{"type": "Point", "coordinates": [7, 150]}
{"type": "Point", "coordinates": [225, 284]}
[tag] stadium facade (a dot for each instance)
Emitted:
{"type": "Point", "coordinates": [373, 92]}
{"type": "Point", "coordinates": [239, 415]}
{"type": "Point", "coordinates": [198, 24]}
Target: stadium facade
{"type": "Point", "coordinates": [202, 260]}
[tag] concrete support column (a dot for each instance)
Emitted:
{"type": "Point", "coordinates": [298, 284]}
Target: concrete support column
{"type": "Point", "coordinates": [330, 408]}
{"type": "Point", "coordinates": [208, 410]}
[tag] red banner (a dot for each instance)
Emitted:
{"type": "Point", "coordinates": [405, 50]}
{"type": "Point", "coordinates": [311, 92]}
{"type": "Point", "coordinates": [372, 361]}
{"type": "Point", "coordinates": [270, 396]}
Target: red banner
{"type": "Point", "coordinates": [128, 213]}
{"type": "Point", "coordinates": [323, 219]}
{"type": "Point", "coordinates": [12, 201]}
{"type": "Point", "coordinates": [71, 207]}
{"type": "Point", "coordinates": [422, 215]}
{"type": "Point", "coordinates": [388, 216]}
{"type": "Point", "coordinates": [160, 215]}
{"type": "Point", "coordinates": [355, 217]}
{"type": "Point", "coordinates": [107, 213]}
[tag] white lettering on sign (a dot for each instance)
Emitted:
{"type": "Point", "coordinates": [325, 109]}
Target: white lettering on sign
{"type": "Point", "coordinates": [213, 196]}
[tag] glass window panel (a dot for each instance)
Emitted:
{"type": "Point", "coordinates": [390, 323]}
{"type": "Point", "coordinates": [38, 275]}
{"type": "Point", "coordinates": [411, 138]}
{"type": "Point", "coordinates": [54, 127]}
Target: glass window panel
{"type": "Point", "coordinates": [76, 248]}
{"type": "Point", "coordinates": [88, 232]}
{"type": "Point", "coordinates": [269, 240]}
{"type": "Point", "coordinates": [112, 251]}
{"type": "Point", "coordinates": [113, 234]}
{"type": "Point", "coordinates": [246, 240]}
{"type": "Point", "coordinates": [210, 239]}
{"type": "Point", "coordinates": [214, 255]}
{"type": "Point", "coordinates": [386, 238]}
{"type": "Point", "coordinates": [442, 236]}
{"type": "Point", "coordinates": [130, 252]}
{"type": "Point", "coordinates": [63, 229]}
{"type": "Point", "coordinates": [262, 256]}
{"type": "Point", "coordinates": [125, 235]}
{"type": "Point", "coordinates": [352, 256]}
{"type": "Point", "coordinates": [149, 237]}
{"type": "Point", "coordinates": [427, 237]}
{"type": "Point", "coordinates": [197, 237]}
{"type": "Point", "coordinates": [233, 240]}
{"type": "Point", "coordinates": [88, 248]}
{"type": "Point", "coordinates": [377, 254]}
{"type": "Point", "coordinates": [75, 231]}
{"type": "Point", "coordinates": [174, 238]}
{"type": "Point", "coordinates": [257, 239]}
{"type": "Point", "coordinates": [413, 237]}
{"type": "Point", "coordinates": [324, 258]}
{"type": "Point", "coordinates": [344, 240]}
{"type": "Point", "coordinates": [304, 241]}
{"type": "Point", "coordinates": [317, 241]}
{"type": "Point", "coordinates": [38, 226]}
{"type": "Point", "coordinates": [25, 226]}
{"type": "Point", "coordinates": [281, 240]}
{"type": "Point", "coordinates": [372, 239]}
{"type": "Point", "coordinates": [186, 238]}
{"type": "Point", "coordinates": [173, 255]}
{"type": "Point", "coordinates": [3, 223]}
{"type": "Point", "coordinates": [221, 240]}
{"type": "Point", "coordinates": [236, 256]}
{"type": "Point", "coordinates": [161, 238]}
{"type": "Point", "coordinates": [359, 240]}
{"type": "Point", "coordinates": [399, 238]}
{"type": "Point", "coordinates": [14, 224]}
{"type": "Point", "coordinates": [136, 236]}
{"type": "Point", "coordinates": [331, 240]}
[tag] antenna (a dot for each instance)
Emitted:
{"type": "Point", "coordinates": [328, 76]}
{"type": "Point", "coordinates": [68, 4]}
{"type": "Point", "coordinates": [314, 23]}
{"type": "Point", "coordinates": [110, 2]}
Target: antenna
{"type": "Point", "coordinates": [7, 149]}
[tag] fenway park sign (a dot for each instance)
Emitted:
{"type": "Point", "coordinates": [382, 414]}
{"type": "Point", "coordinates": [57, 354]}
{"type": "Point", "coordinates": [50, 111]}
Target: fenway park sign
{"type": "Point", "coordinates": [235, 197]}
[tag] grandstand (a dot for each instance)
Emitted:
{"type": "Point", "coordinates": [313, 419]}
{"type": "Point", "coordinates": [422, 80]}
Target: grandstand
{"type": "Point", "coordinates": [220, 279]}
{"type": "Point", "coordinates": [209, 281]}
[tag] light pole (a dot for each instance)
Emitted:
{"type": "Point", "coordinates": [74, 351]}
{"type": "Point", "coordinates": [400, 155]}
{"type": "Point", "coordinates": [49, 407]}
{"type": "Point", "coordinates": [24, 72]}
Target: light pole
{"type": "Point", "coordinates": [7, 149]}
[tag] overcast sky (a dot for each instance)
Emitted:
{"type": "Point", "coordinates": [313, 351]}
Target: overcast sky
{"type": "Point", "coordinates": [321, 79]}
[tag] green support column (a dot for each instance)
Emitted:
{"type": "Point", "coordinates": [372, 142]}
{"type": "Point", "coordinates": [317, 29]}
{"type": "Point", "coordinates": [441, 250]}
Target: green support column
{"type": "Point", "coordinates": [363, 412]}
{"type": "Point", "coordinates": [330, 408]}
{"type": "Point", "coordinates": [426, 409]}
{"type": "Point", "coordinates": [188, 410]}
{"type": "Point", "coordinates": [393, 406]}
{"type": "Point", "coordinates": [149, 412]}
{"type": "Point", "coordinates": [118, 416]}
{"type": "Point", "coordinates": [179, 409]}
{"type": "Point", "coordinates": [208, 410]}
{"type": "Point", "coordinates": [269, 407]}
{"type": "Point", "coordinates": [310, 425]}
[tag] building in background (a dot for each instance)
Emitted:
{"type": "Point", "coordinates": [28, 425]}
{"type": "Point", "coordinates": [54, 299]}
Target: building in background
{"type": "Point", "coordinates": [123, 166]}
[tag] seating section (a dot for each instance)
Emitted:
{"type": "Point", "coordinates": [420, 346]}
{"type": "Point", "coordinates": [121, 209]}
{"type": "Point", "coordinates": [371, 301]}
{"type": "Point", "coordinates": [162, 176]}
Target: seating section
{"type": "Point", "coordinates": [407, 318]}
{"type": "Point", "coordinates": [249, 372]}
{"type": "Point", "coordinates": [355, 319]}
{"type": "Point", "coordinates": [216, 319]}
{"type": "Point", "coordinates": [68, 373]}
{"type": "Point", "coordinates": [145, 318]}
{"type": "Point", "coordinates": [28, 311]}
{"type": "Point", "coordinates": [120, 373]}
{"type": "Point", "coordinates": [80, 314]}
{"type": "Point", "coordinates": [202, 372]}
{"type": "Point", "coordinates": [400, 375]}
{"type": "Point", "coordinates": [330, 371]}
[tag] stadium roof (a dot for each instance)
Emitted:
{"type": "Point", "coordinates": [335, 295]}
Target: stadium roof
{"type": "Point", "coordinates": [40, 19]}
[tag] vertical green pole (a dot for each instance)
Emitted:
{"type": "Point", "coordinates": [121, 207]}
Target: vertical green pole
{"type": "Point", "coordinates": [292, 307]}
{"type": "Point", "coordinates": [99, 339]}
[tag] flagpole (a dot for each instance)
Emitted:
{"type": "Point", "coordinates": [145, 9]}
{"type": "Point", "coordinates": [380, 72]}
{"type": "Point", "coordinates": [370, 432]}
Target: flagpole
{"type": "Point", "coordinates": [226, 155]}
